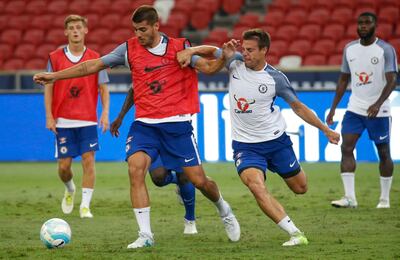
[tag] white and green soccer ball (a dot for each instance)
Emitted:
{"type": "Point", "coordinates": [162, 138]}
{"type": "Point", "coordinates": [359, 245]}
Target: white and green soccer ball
{"type": "Point", "coordinates": [55, 233]}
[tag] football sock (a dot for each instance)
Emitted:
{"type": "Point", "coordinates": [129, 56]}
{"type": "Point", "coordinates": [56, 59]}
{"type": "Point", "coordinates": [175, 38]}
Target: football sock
{"type": "Point", "coordinates": [287, 224]}
{"type": "Point", "coordinates": [86, 197]}
{"type": "Point", "coordinates": [143, 219]}
{"type": "Point", "coordinates": [348, 183]}
{"type": "Point", "coordinates": [386, 184]}
{"type": "Point", "coordinates": [188, 194]}
{"type": "Point", "coordinates": [70, 185]}
{"type": "Point", "coordinates": [170, 178]}
{"type": "Point", "coordinates": [222, 206]}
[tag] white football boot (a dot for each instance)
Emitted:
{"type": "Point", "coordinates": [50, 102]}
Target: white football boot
{"type": "Point", "coordinates": [67, 203]}
{"type": "Point", "coordinates": [190, 227]}
{"type": "Point", "coordinates": [344, 202]}
{"type": "Point", "coordinates": [144, 240]}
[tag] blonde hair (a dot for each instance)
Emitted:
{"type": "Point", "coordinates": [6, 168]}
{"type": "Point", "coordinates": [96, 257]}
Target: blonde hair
{"type": "Point", "coordinates": [75, 18]}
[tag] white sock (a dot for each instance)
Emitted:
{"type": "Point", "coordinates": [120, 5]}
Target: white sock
{"type": "Point", "coordinates": [348, 183]}
{"type": "Point", "coordinates": [70, 185]}
{"type": "Point", "coordinates": [86, 197]}
{"type": "Point", "coordinates": [143, 219]}
{"type": "Point", "coordinates": [222, 207]}
{"type": "Point", "coordinates": [386, 184]}
{"type": "Point", "coordinates": [287, 224]}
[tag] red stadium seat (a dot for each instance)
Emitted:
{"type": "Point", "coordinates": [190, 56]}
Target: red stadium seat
{"type": "Point", "coordinates": [351, 31]}
{"type": "Point", "coordinates": [272, 59]}
{"type": "Point", "coordinates": [11, 36]}
{"type": "Point", "coordinates": [183, 7]}
{"type": "Point", "coordinates": [94, 46]}
{"type": "Point", "coordinates": [210, 5]}
{"type": "Point", "coordinates": [281, 5]}
{"type": "Point", "coordinates": [361, 10]}
{"type": "Point", "coordinates": [34, 36]}
{"type": "Point", "coordinates": [395, 42]}
{"type": "Point", "coordinates": [99, 36]}
{"type": "Point", "coordinates": [25, 51]}
{"type": "Point", "coordinates": [44, 50]}
{"type": "Point", "coordinates": [138, 3]}
{"type": "Point", "coordinates": [100, 6]}
{"type": "Point", "coordinates": [106, 49]}
{"type": "Point", "coordinates": [178, 19]}
{"type": "Point", "coordinates": [59, 7]}
{"type": "Point", "coordinates": [56, 36]}
{"type": "Point", "coordinates": [19, 22]}
{"type": "Point", "coordinates": [237, 32]}
{"type": "Point", "coordinates": [79, 7]}
{"type": "Point", "coordinates": [13, 64]}
{"type": "Point", "coordinates": [121, 7]}
{"type": "Point", "coordinates": [232, 6]}
{"type": "Point", "coordinates": [15, 7]}
{"type": "Point", "coordinates": [36, 7]}
{"type": "Point", "coordinates": [251, 20]}
{"type": "Point", "coordinates": [121, 35]}
{"type": "Point", "coordinates": [6, 51]}
{"type": "Point", "coordinates": [268, 28]}
{"type": "Point", "coordinates": [345, 3]}
{"type": "Point", "coordinates": [200, 19]}
{"type": "Point", "coordinates": [397, 31]}
{"type": "Point", "coordinates": [110, 21]}
{"type": "Point", "coordinates": [389, 14]}
{"type": "Point", "coordinates": [93, 21]}
{"type": "Point", "coordinates": [303, 4]}
{"type": "Point", "coordinates": [319, 16]}
{"type": "Point", "coordinates": [285, 32]}
{"type": "Point", "coordinates": [333, 32]}
{"type": "Point", "coordinates": [341, 44]}
{"type": "Point", "coordinates": [384, 30]}
{"type": "Point", "coordinates": [368, 3]}
{"type": "Point", "coordinates": [36, 64]}
{"type": "Point", "coordinates": [335, 59]}
{"type": "Point", "coordinates": [4, 21]}
{"type": "Point", "coordinates": [390, 2]}
{"type": "Point", "coordinates": [170, 30]}
{"type": "Point", "coordinates": [278, 48]}
{"type": "Point", "coordinates": [295, 17]}
{"type": "Point", "coordinates": [323, 47]}
{"type": "Point", "coordinates": [330, 5]}
{"type": "Point", "coordinates": [300, 48]}
{"type": "Point", "coordinates": [274, 18]}
{"type": "Point", "coordinates": [314, 60]}
{"type": "Point", "coordinates": [44, 22]}
{"type": "Point", "coordinates": [218, 35]}
{"type": "Point", "coordinates": [342, 15]}
{"type": "Point", "coordinates": [310, 32]}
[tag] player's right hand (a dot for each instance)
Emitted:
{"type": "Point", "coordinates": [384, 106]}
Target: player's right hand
{"type": "Point", "coordinates": [43, 78]}
{"type": "Point", "coordinates": [329, 117]}
{"type": "Point", "coordinates": [115, 126]}
{"type": "Point", "coordinates": [51, 124]}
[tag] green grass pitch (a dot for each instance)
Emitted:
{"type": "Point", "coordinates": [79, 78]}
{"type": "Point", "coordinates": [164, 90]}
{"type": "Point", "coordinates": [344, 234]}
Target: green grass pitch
{"type": "Point", "coordinates": [30, 193]}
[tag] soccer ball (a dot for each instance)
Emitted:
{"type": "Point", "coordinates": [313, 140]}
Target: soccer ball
{"type": "Point", "coordinates": [55, 233]}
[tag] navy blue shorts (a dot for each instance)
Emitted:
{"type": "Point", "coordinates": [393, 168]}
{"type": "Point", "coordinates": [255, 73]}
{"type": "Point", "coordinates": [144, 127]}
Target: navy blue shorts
{"type": "Point", "coordinates": [277, 155]}
{"type": "Point", "coordinates": [158, 163]}
{"type": "Point", "coordinates": [72, 142]}
{"type": "Point", "coordinates": [173, 142]}
{"type": "Point", "coordinates": [378, 127]}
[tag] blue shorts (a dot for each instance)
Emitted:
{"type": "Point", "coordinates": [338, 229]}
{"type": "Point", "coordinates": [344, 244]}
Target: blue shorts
{"type": "Point", "coordinates": [72, 142]}
{"type": "Point", "coordinates": [173, 142]}
{"type": "Point", "coordinates": [158, 163]}
{"type": "Point", "coordinates": [277, 155]}
{"type": "Point", "coordinates": [378, 127]}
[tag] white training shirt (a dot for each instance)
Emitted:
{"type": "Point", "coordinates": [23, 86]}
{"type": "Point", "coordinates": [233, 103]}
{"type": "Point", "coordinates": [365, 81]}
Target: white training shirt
{"type": "Point", "coordinates": [254, 116]}
{"type": "Point", "coordinates": [367, 66]}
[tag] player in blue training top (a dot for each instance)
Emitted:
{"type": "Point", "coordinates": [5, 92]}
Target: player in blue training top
{"type": "Point", "coordinates": [371, 66]}
{"type": "Point", "coordinates": [258, 127]}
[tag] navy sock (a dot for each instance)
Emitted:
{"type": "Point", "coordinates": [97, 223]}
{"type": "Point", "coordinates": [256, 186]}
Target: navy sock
{"type": "Point", "coordinates": [188, 194]}
{"type": "Point", "coordinates": [170, 178]}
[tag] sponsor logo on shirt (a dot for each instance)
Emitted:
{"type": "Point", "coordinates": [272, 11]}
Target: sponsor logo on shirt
{"type": "Point", "coordinates": [243, 105]}
{"type": "Point", "coordinates": [151, 69]}
{"type": "Point", "coordinates": [156, 86]}
{"type": "Point", "coordinates": [75, 91]}
{"type": "Point", "coordinates": [364, 79]}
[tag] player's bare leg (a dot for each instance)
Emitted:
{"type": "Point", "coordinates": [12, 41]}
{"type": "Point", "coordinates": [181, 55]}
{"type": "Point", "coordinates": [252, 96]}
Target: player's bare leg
{"type": "Point", "coordinates": [210, 190]}
{"type": "Point", "coordinates": [88, 181]}
{"type": "Point", "coordinates": [348, 167]}
{"type": "Point", "coordinates": [254, 179]}
{"type": "Point", "coordinates": [298, 183]}
{"type": "Point", "coordinates": [65, 174]}
{"type": "Point", "coordinates": [386, 172]}
{"type": "Point", "coordinates": [138, 164]}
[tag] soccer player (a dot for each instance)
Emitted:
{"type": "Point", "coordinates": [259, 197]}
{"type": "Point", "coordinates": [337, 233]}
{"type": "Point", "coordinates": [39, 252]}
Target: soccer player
{"type": "Point", "coordinates": [71, 113]}
{"type": "Point", "coordinates": [258, 127]}
{"type": "Point", "coordinates": [161, 176]}
{"type": "Point", "coordinates": [165, 97]}
{"type": "Point", "coordinates": [371, 66]}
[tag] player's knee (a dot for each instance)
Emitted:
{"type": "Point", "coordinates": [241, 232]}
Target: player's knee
{"type": "Point", "coordinates": [256, 187]}
{"type": "Point", "coordinates": [64, 168]}
{"type": "Point", "coordinates": [300, 189]}
{"type": "Point", "coordinates": [200, 183]}
{"type": "Point", "coordinates": [347, 149]}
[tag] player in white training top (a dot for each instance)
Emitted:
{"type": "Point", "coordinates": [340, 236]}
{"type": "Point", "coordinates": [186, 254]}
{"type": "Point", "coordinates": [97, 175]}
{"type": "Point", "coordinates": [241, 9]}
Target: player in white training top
{"type": "Point", "coordinates": [371, 66]}
{"type": "Point", "coordinates": [258, 127]}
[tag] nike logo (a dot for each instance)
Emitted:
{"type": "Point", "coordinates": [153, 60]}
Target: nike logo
{"type": "Point", "coordinates": [383, 137]}
{"type": "Point", "coordinates": [292, 164]}
{"type": "Point", "coordinates": [92, 145]}
{"type": "Point", "coordinates": [150, 69]}
{"type": "Point", "coordinates": [233, 76]}
{"type": "Point", "coordinates": [188, 160]}
{"type": "Point", "coordinates": [352, 59]}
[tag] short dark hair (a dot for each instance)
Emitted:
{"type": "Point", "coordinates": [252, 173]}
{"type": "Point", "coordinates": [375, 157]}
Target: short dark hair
{"type": "Point", "coordinates": [370, 15]}
{"type": "Point", "coordinates": [145, 13]}
{"type": "Point", "coordinates": [263, 39]}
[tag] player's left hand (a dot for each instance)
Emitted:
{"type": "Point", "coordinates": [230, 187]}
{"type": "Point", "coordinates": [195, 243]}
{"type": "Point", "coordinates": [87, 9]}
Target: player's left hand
{"type": "Point", "coordinates": [115, 126]}
{"type": "Point", "coordinates": [44, 78]}
{"type": "Point", "coordinates": [373, 110]}
{"type": "Point", "coordinates": [333, 137]}
{"type": "Point", "coordinates": [104, 123]}
{"type": "Point", "coordinates": [184, 57]}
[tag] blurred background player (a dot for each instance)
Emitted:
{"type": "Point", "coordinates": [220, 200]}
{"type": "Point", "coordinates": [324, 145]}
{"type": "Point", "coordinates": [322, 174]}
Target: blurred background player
{"type": "Point", "coordinates": [71, 107]}
{"type": "Point", "coordinates": [258, 127]}
{"type": "Point", "coordinates": [161, 127]}
{"type": "Point", "coordinates": [371, 66]}
{"type": "Point", "coordinates": [161, 176]}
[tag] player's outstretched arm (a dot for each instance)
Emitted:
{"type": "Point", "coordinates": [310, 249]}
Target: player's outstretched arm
{"type": "Point", "coordinates": [340, 89]}
{"type": "Point", "coordinates": [184, 57]}
{"type": "Point", "coordinates": [307, 115]}
{"type": "Point", "coordinates": [79, 70]}
{"type": "Point", "coordinates": [391, 78]}
{"type": "Point", "coordinates": [105, 101]}
{"type": "Point", "coordinates": [128, 103]}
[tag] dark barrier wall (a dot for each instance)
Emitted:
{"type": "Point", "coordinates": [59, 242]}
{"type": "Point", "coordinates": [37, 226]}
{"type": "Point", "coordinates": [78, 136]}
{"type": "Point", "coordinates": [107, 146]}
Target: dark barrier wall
{"type": "Point", "coordinates": [23, 136]}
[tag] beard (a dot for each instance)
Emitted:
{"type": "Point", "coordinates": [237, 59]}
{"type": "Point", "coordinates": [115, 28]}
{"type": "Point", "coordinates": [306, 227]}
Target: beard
{"type": "Point", "coordinates": [367, 35]}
